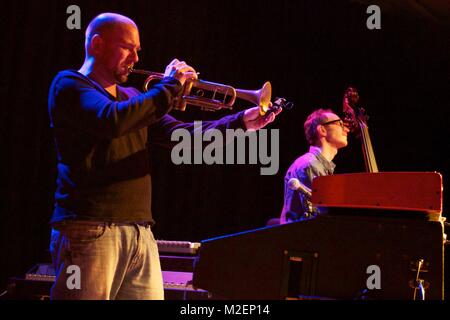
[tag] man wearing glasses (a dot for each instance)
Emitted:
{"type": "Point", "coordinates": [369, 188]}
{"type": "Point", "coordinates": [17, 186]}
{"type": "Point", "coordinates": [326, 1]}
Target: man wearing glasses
{"type": "Point", "coordinates": [326, 133]}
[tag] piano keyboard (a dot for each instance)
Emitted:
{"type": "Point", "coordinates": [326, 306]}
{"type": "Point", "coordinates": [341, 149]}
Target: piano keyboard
{"type": "Point", "coordinates": [185, 247]}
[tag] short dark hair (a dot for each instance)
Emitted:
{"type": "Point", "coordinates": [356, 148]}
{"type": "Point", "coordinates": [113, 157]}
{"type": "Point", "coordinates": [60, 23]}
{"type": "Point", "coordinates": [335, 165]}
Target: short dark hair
{"type": "Point", "coordinates": [311, 123]}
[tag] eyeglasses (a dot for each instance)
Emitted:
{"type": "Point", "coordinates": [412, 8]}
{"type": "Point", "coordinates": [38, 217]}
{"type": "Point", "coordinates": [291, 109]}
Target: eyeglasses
{"type": "Point", "coordinates": [338, 121]}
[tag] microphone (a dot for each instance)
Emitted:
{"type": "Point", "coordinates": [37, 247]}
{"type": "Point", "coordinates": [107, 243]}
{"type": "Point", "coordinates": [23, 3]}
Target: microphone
{"type": "Point", "coordinates": [296, 185]}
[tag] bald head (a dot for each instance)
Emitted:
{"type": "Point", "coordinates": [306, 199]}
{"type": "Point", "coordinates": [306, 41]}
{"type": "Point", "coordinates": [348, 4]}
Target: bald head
{"type": "Point", "coordinates": [112, 46]}
{"type": "Point", "coordinates": [106, 24]}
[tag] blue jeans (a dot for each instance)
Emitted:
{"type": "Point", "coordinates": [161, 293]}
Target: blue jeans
{"type": "Point", "coordinates": [103, 261]}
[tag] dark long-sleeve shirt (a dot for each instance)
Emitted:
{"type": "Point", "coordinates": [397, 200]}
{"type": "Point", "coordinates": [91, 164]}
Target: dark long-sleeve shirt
{"type": "Point", "coordinates": [103, 169]}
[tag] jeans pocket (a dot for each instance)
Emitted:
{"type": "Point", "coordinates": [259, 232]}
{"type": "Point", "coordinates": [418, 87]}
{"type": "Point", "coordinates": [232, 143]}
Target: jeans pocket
{"type": "Point", "coordinates": [85, 232]}
{"type": "Point", "coordinates": [83, 239]}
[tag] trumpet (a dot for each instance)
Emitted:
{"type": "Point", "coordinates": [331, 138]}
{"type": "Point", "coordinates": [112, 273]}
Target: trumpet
{"type": "Point", "coordinates": [212, 96]}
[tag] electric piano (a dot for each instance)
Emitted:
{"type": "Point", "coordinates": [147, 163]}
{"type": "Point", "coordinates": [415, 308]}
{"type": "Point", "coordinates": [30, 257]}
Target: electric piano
{"type": "Point", "coordinates": [381, 238]}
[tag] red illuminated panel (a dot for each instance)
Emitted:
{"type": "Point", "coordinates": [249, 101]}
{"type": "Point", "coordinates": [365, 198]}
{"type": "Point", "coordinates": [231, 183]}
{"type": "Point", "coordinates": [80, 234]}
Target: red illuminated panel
{"type": "Point", "coordinates": [412, 191]}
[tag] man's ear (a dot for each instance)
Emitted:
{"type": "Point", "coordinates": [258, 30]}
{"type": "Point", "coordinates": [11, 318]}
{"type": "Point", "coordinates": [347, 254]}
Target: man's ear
{"type": "Point", "coordinates": [321, 131]}
{"type": "Point", "coordinates": [97, 45]}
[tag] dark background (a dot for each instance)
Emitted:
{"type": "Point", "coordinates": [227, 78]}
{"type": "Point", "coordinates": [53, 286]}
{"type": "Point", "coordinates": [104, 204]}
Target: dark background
{"type": "Point", "coordinates": [311, 51]}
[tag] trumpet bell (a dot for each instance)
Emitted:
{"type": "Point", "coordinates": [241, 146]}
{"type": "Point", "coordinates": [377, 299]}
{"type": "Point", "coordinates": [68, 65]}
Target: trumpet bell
{"type": "Point", "coordinates": [259, 97]}
{"type": "Point", "coordinates": [265, 95]}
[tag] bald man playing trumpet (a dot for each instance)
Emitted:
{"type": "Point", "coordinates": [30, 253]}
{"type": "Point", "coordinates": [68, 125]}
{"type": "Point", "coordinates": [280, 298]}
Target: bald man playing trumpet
{"type": "Point", "coordinates": [102, 244]}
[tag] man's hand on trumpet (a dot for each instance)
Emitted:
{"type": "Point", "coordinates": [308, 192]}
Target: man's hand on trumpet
{"type": "Point", "coordinates": [254, 120]}
{"type": "Point", "coordinates": [180, 71]}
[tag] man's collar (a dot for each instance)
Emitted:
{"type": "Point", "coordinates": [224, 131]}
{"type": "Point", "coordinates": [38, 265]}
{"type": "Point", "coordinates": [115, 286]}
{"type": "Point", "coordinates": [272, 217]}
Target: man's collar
{"type": "Point", "coordinates": [317, 151]}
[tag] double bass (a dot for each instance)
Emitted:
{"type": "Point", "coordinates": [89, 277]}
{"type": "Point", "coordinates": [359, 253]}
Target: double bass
{"type": "Point", "coordinates": [355, 119]}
